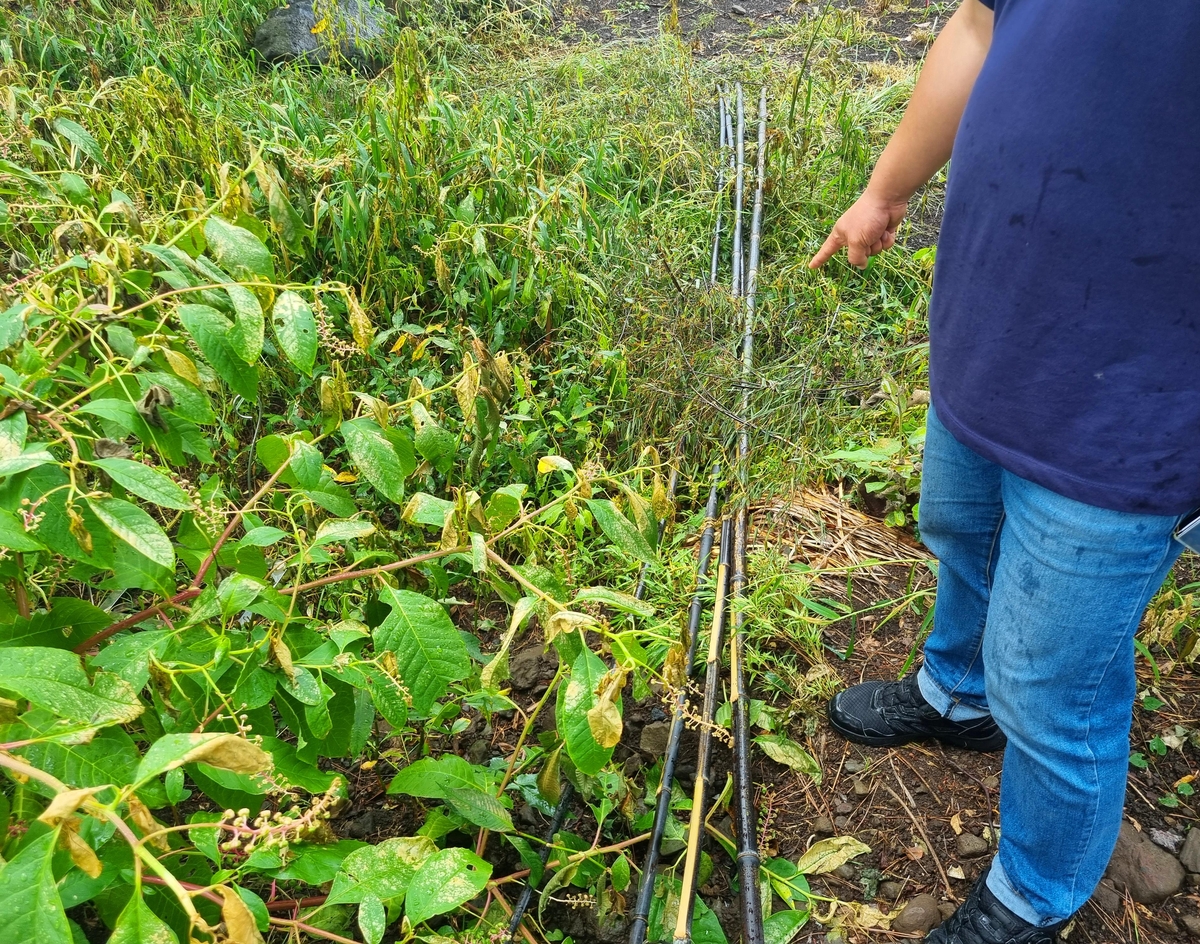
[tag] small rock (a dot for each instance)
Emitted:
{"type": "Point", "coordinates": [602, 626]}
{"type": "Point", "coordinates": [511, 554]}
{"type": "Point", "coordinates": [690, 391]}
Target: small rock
{"type": "Point", "coordinates": [1192, 924]}
{"type": "Point", "coordinates": [823, 826]}
{"type": "Point", "coordinates": [970, 846]}
{"type": "Point", "coordinates": [844, 808]}
{"type": "Point", "coordinates": [919, 915]}
{"type": "Point", "coordinates": [946, 909]}
{"type": "Point", "coordinates": [992, 783]}
{"type": "Point", "coordinates": [1106, 897]}
{"type": "Point", "coordinates": [861, 788]}
{"type": "Point", "coordinates": [855, 766]}
{"type": "Point", "coordinates": [890, 891]}
{"type": "Point", "coordinates": [1190, 856]}
{"type": "Point", "coordinates": [291, 32]}
{"type": "Point", "coordinates": [633, 763]}
{"type": "Point", "coordinates": [1194, 880]}
{"type": "Point", "coordinates": [1169, 840]}
{"type": "Point", "coordinates": [362, 826]}
{"type": "Point", "coordinates": [654, 738]}
{"type": "Point", "coordinates": [841, 822]}
{"type": "Point", "coordinates": [479, 751]}
{"type": "Point", "coordinates": [1149, 873]}
{"type": "Point", "coordinates": [525, 669]}
{"type": "Point", "coordinates": [846, 871]}
{"type": "Point", "coordinates": [738, 10]}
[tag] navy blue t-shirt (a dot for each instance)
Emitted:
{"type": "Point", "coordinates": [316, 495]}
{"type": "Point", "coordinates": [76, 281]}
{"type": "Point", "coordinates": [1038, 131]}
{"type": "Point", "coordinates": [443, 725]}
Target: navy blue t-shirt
{"type": "Point", "coordinates": [1065, 317]}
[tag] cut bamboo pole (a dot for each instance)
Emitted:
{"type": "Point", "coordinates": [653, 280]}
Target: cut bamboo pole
{"type": "Point", "coordinates": [662, 810]}
{"type": "Point", "coordinates": [712, 687]}
{"type": "Point", "coordinates": [739, 192]}
{"type": "Point", "coordinates": [745, 820]}
{"type": "Point", "coordinates": [716, 247]}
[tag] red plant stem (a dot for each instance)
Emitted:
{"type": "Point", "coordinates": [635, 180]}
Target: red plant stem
{"type": "Point", "coordinates": [295, 904]}
{"type": "Point", "coordinates": [190, 886]}
{"type": "Point", "coordinates": [235, 521]}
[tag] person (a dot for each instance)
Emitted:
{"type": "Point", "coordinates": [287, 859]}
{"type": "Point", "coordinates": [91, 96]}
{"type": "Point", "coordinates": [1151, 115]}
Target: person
{"type": "Point", "coordinates": [1063, 437]}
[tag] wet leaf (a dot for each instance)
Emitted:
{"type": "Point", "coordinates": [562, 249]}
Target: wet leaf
{"type": "Point", "coordinates": [446, 880]}
{"type": "Point", "coordinates": [783, 750]}
{"type": "Point", "coordinates": [826, 855]}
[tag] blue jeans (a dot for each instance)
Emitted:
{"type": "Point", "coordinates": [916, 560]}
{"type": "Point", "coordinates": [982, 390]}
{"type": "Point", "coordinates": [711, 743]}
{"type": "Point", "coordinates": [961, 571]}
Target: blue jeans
{"type": "Point", "coordinates": [1038, 600]}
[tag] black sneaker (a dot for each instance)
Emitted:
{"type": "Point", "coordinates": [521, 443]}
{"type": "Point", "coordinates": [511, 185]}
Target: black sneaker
{"type": "Point", "coordinates": [883, 714]}
{"type": "Point", "coordinates": [982, 919]}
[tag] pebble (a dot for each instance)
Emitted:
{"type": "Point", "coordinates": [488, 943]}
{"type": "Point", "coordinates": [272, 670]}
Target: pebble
{"type": "Point", "coordinates": [1192, 924]}
{"type": "Point", "coordinates": [1190, 856]}
{"type": "Point", "coordinates": [971, 846]}
{"type": "Point", "coordinates": [844, 808]}
{"type": "Point", "coordinates": [1150, 874]}
{"type": "Point", "coordinates": [890, 891]}
{"type": "Point", "coordinates": [920, 915]}
{"type": "Point", "coordinates": [946, 909]}
{"type": "Point", "coordinates": [654, 738]}
{"type": "Point", "coordinates": [861, 788]}
{"type": "Point", "coordinates": [1194, 880]}
{"type": "Point", "coordinates": [479, 751]}
{"type": "Point", "coordinates": [841, 822]}
{"type": "Point", "coordinates": [823, 826]}
{"type": "Point", "coordinates": [739, 10]}
{"type": "Point", "coordinates": [846, 871]}
{"type": "Point", "coordinates": [1168, 839]}
{"type": "Point", "coordinates": [525, 669]}
{"type": "Point", "coordinates": [992, 783]}
{"type": "Point", "coordinates": [855, 766]}
{"type": "Point", "coordinates": [1106, 897]}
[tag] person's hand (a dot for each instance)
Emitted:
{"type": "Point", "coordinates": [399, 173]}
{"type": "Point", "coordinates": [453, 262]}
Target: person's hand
{"type": "Point", "coordinates": [866, 229]}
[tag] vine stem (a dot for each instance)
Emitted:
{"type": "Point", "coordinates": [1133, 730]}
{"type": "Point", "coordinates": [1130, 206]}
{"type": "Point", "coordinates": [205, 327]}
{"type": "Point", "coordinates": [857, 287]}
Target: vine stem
{"type": "Point", "coordinates": [577, 857]}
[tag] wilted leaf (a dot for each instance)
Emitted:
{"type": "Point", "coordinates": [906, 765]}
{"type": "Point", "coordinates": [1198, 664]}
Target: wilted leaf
{"type": "Point", "coordinates": [567, 621]}
{"type": "Point", "coordinates": [82, 854]}
{"type": "Point", "coordinates": [240, 926]}
{"type": "Point", "coordinates": [826, 855]}
{"type": "Point", "coordinates": [222, 750]}
{"type": "Point", "coordinates": [65, 804]}
{"type": "Point", "coordinates": [784, 750]}
{"type": "Point", "coordinates": [547, 779]}
{"type": "Point", "coordinates": [604, 718]}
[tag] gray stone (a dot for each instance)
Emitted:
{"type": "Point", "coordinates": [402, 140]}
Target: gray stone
{"type": "Point", "coordinates": [921, 915]}
{"type": "Point", "coordinates": [890, 891]}
{"type": "Point", "coordinates": [823, 826]}
{"type": "Point", "coordinates": [1190, 855]}
{"type": "Point", "coordinates": [738, 10]}
{"type": "Point", "coordinates": [946, 909]}
{"type": "Point", "coordinates": [861, 788]}
{"type": "Point", "coordinates": [1148, 873]}
{"type": "Point", "coordinates": [1168, 839]}
{"type": "Point", "coordinates": [846, 871]}
{"type": "Point", "coordinates": [855, 766]}
{"type": "Point", "coordinates": [970, 846]}
{"type": "Point", "coordinates": [1191, 924]}
{"type": "Point", "coordinates": [525, 669]}
{"type": "Point", "coordinates": [290, 33]}
{"type": "Point", "coordinates": [992, 783]}
{"type": "Point", "coordinates": [1106, 897]}
{"type": "Point", "coordinates": [654, 738]}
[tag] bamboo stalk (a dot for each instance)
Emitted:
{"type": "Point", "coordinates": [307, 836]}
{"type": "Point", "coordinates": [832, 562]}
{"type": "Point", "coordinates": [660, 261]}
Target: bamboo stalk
{"type": "Point", "coordinates": [739, 194]}
{"type": "Point", "coordinates": [639, 923]}
{"type": "Point", "coordinates": [716, 247]}
{"type": "Point", "coordinates": [712, 685]}
{"type": "Point", "coordinates": [568, 792]}
{"type": "Point", "coordinates": [746, 821]}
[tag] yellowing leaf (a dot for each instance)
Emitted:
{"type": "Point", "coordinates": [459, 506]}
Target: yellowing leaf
{"type": "Point", "coordinates": [604, 719]}
{"type": "Point", "coordinates": [566, 621]}
{"type": "Point", "coordinates": [829, 854]}
{"type": "Point", "coordinates": [184, 367]}
{"type": "Point", "coordinates": [145, 821]}
{"type": "Point", "coordinates": [240, 927]}
{"type": "Point", "coordinates": [548, 464]}
{"type": "Point", "coordinates": [956, 824]}
{"type": "Point", "coordinates": [65, 804]}
{"type": "Point", "coordinates": [346, 478]}
{"type": "Point", "coordinates": [82, 854]}
{"type": "Point", "coordinates": [230, 752]}
{"type": "Point", "coordinates": [320, 26]}
{"type": "Point", "coordinates": [360, 324]}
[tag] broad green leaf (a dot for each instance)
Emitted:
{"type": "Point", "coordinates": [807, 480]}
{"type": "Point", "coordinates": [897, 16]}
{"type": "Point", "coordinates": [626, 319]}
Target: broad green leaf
{"type": "Point", "coordinates": [664, 908]}
{"type": "Point", "coordinates": [30, 458]}
{"type": "Point", "coordinates": [296, 331]}
{"type": "Point", "coordinates": [336, 531]}
{"type": "Point", "coordinates": [111, 757]}
{"type": "Point", "coordinates": [372, 919]}
{"type": "Point", "coordinates": [446, 880]}
{"type": "Point", "coordinates": [427, 509]}
{"type": "Point", "coordinates": [618, 601]}
{"type": "Point", "coordinates": [238, 251]}
{"type": "Point", "coordinates": [135, 528]}
{"type": "Point", "coordinates": [290, 769]}
{"type": "Point", "coordinates": [318, 864]}
{"type": "Point", "coordinates": [504, 507]}
{"type": "Point", "coordinates": [784, 750]}
{"type": "Point", "coordinates": [12, 324]}
{"type": "Point", "coordinates": [620, 873]}
{"type": "Point", "coordinates": [375, 457]}
{"type": "Point", "coordinates": [782, 926]}
{"type": "Point", "coordinates": [480, 808]}
{"type": "Point", "coordinates": [14, 536]}
{"type": "Point", "coordinates": [264, 536]}
{"type": "Point", "coordinates": [78, 135]}
{"type": "Point", "coordinates": [620, 530]}
{"type": "Point", "coordinates": [29, 900]}
{"type": "Point", "coordinates": [575, 700]}
{"type": "Point", "coordinates": [437, 446]}
{"type": "Point", "coordinates": [249, 326]}
{"type": "Point", "coordinates": [146, 483]}
{"type": "Point", "coordinates": [128, 654]}
{"type": "Point", "coordinates": [221, 750]}
{"type": "Point", "coordinates": [430, 778]}
{"type": "Point", "coordinates": [306, 463]}
{"type": "Point", "coordinates": [139, 925]}
{"type": "Point", "coordinates": [13, 432]}
{"type": "Point", "coordinates": [67, 622]}
{"type": "Point", "coordinates": [386, 693]}
{"type": "Point", "coordinates": [429, 651]}
{"type": "Point", "coordinates": [210, 330]}
{"type": "Point", "coordinates": [54, 679]}
{"type": "Point", "coordinates": [384, 871]}
{"type": "Point", "coordinates": [828, 854]}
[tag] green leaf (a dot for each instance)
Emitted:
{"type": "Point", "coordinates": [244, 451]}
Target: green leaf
{"type": "Point", "coordinates": [429, 651]}
{"type": "Point", "coordinates": [338, 531]}
{"type": "Point", "coordinates": [29, 900]}
{"type": "Point", "coordinates": [316, 865]}
{"type": "Point", "coordinates": [54, 679]}
{"type": "Point", "coordinates": [31, 458]}
{"type": "Point", "coordinates": [238, 251]}
{"type": "Point", "coordinates": [480, 808]}
{"type": "Point", "coordinates": [210, 330]}
{"type": "Point", "coordinates": [575, 700]}
{"type": "Point", "coordinates": [427, 509]}
{"type": "Point", "coordinates": [14, 536]}
{"type": "Point", "coordinates": [430, 778]}
{"type": "Point", "coordinates": [446, 880]}
{"type": "Point", "coordinates": [619, 530]}
{"type": "Point", "coordinates": [264, 536]}
{"type": "Point", "coordinates": [782, 926]}
{"type": "Point", "coordinates": [375, 457]}
{"type": "Point", "coordinates": [78, 135]}
{"type": "Point", "coordinates": [296, 331]}
{"type": "Point", "coordinates": [784, 750]}
{"type": "Point", "coordinates": [216, 749]}
{"type": "Point", "coordinates": [437, 446]}
{"type": "Point", "coordinates": [504, 507]}
{"type": "Point", "coordinates": [618, 601]}
{"type": "Point", "coordinates": [135, 528]}
{"type": "Point", "coordinates": [386, 694]}
{"type": "Point", "coordinates": [139, 925]}
{"type": "Point", "coordinates": [12, 324]}
{"type": "Point", "coordinates": [109, 757]}
{"type": "Point", "coordinates": [372, 919]}
{"type": "Point", "coordinates": [383, 871]}
{"type": "Point", "coordinates": [146, 483]}
{"type": "Point", "coordinates": [249, 326]}
{"type": "Point", "coordinates": [620, 873]}
{"type": "Point", "coordinates": [828, 854]}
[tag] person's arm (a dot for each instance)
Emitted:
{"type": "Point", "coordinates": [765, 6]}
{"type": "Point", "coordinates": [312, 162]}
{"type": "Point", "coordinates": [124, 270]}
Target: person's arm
{"type": "Point", "coordinates": [922, 142]}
